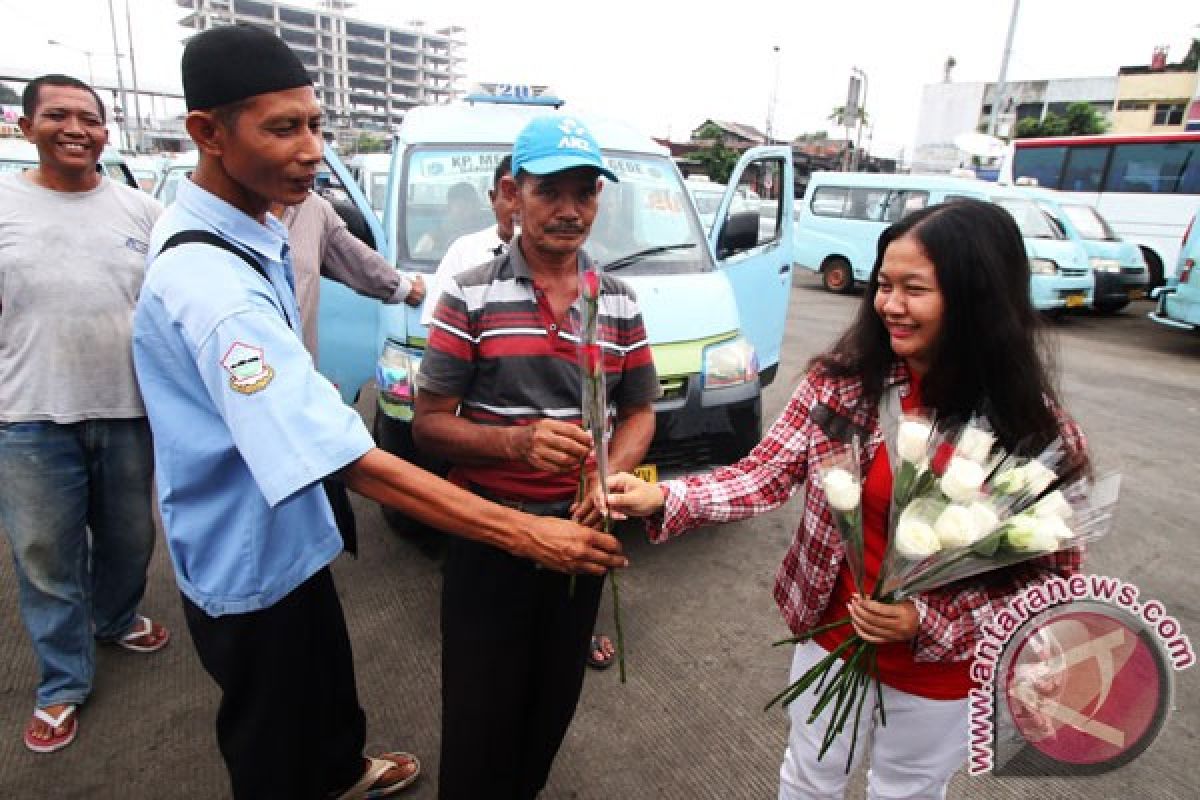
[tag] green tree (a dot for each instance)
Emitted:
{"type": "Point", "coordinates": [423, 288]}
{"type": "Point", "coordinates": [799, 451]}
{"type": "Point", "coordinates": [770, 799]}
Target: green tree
{"type": "Point", "coordinates": [709, 130]}
{"type": "Point", "coordinates": [370, 143]}
{"type": "Point", "coordinates": [839, 112]}
{"type": "Point", "coordinates": [1081, 119]}
{"type": "Point", "coordinates": [718, 161]}
{"type": "Point", "coordinates": [8, 97]}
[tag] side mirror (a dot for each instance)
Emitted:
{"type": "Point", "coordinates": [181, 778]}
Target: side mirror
{"type": "Point", "coordinates": [356, 223]}
{"type": "Point", "coordinates": [740, 232]}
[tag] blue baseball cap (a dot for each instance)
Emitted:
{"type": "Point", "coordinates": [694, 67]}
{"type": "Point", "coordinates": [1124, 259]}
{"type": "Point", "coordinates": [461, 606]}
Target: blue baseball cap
{"type": "Point", "coordinates": [554, 143]}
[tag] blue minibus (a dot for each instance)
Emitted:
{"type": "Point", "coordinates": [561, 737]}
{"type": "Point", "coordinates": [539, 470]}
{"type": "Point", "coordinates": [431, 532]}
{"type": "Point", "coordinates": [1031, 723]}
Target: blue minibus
{"type": "Point", "coordinates": [843, 214]}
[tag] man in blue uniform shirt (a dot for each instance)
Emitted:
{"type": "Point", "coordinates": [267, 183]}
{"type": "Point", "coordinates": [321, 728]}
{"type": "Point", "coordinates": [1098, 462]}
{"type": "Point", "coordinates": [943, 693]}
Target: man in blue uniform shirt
{"type": "Point", "coordinates": [245, 430]}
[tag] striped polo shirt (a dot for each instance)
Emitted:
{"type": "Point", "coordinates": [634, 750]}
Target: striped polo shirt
{"type": "Point", "coordinates": [495, 344]}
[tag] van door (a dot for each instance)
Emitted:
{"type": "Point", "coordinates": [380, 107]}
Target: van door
{"type": "Point", "coordinates": [753, 244]}
{"type": "Point", "coordinates": [348, 345]}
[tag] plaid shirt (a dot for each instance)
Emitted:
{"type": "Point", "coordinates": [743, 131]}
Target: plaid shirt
{"type": "Point", "coordinates": [950, 618]}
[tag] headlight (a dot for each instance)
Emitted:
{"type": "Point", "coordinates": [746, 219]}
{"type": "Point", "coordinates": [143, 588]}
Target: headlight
{"type": "Point", "coordinates": [396, 372]}
{"type": "Point", "coordinates": [1042, 266]}
{"type": "Point", "coordinates": [1105, 264]}
{"type": "Point", "coordinates": [729, 364]}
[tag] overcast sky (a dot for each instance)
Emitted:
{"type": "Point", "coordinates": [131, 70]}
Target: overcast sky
{"type": "Point", "coordinates": [668, 66]}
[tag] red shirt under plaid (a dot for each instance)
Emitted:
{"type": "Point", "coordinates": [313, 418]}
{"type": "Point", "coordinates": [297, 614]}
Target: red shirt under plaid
{"type": "Point", "coordinates": [950, 619]}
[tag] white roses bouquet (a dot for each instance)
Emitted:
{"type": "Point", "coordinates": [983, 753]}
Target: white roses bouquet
{"type": "Point", "coordinates": [841, 478]}
{"type": "Point", "coordinates": [961, 506]}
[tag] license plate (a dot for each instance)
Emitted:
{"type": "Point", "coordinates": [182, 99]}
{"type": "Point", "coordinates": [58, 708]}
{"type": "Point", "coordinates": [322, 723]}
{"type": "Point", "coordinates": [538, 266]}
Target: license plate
{"type": "Point", "coordinates": [1075, 300]}
{"type": "Point", "coordinates": [1137, 294]}
{"type": "Point", "coordinates": [647, 472]}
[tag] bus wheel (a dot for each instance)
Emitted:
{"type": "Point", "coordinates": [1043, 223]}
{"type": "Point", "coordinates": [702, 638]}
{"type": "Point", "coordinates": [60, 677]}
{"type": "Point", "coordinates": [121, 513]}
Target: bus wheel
{"type": "Point", "coordinates": [836, 275]}
{"type": "Point", "coordinates": [1154, 267]}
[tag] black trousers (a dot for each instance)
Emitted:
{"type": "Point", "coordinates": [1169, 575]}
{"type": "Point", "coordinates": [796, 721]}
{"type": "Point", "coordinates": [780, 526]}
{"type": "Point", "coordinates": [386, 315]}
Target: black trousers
{"type": "Point", "coordinates": [289, 725]}
{"type": "Point", "coordinates": [514, 652]}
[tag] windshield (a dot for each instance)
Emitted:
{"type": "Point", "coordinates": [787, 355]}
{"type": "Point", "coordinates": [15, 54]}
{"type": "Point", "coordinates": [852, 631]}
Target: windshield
{"type": "Point", "coordinates": [1089, 223]}
{"type": "Point", "coordinates": [1030, 219]}
{"type": "Point", "coordinates": [445, 196]}
{"type": "Point", "coordinates": [377, 195]}
{"type": "Point", "coordinates": [170, 184]}
{"type": "Point", "coordinates": [707, 202]}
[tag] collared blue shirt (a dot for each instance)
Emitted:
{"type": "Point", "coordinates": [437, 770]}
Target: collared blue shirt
{"type": "Point", "coordinates": [244, 426]}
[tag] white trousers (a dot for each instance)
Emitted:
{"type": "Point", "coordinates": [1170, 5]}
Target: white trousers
{"type": "Point", "coordinates": [911, 758]}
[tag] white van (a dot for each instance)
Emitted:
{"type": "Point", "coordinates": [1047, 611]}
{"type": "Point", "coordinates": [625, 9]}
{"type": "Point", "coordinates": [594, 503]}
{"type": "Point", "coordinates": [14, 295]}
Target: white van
{"type": "Point", "coordinates": [714, 304]}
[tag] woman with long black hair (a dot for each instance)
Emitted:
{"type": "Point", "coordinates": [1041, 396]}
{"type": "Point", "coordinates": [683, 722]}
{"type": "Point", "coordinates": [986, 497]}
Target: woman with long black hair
{"type": "Point", "coordinates": [946, 324]}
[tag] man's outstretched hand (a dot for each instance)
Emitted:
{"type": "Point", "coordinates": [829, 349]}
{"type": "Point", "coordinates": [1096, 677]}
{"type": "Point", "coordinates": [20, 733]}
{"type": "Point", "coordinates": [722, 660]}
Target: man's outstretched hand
{"type": "Point", "coordinates": [566, 546]}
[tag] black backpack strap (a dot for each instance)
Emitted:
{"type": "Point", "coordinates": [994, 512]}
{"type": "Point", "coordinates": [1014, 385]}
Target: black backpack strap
{"type": "Point", "coordinates": [200, 236]}
{"type": "Point", "coordinates": [335, 491]}
{"type": "Point", "coordinates": [212, 239]}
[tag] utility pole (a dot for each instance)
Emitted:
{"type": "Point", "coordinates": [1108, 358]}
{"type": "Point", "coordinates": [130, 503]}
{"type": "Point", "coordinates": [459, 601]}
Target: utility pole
{"type": "Point", "coordinates": [850, 115]}
{"type": "Point", "coordinates": [137, 102]}
{"type": "Point", "coordinates": [112, 22]}
{"type": "Point", "coordinates": [774, 98]}
{"type": "Point", "coordinates": [862, 111]}
{"type": "Point", "coordinates": [998, 98]}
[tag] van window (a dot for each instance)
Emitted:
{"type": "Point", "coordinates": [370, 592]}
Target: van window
{"type": "Point", "coordinates": [1043, 164]}
{"type": "Point", "coordinates": [850, 203]}
{"type": "Point", "coordinates": [1159, 168]}
{"type": "Point", "coordinates": [829, 201]}
{"type": "Point", "coordinates": [377, 192]}
{"type": "Point", "coordinates": [903, 202]}
{"type": "Point", "coordinates": [1030, 219]}
{"type": "Point", "coordinates": [170, 184]}
{"type": "Point", "coordinates": [759, 190]}
{"type": "Point", "coordinates": [1089, 223]}
{"type": "Point", "coordinates": [870, 204]}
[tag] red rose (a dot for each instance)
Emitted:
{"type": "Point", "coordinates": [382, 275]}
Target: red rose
{"type": "Point", "coordinates": [593, 359]}
{"type": "Point", "coordinates": [589, 285]}
{"type": "Point", "coordinates": [941, 457]}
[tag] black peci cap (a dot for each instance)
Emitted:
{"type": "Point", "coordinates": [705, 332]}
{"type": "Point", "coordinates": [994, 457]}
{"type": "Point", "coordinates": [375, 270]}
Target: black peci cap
{"type": "Point", "coordinates": [228, 64]}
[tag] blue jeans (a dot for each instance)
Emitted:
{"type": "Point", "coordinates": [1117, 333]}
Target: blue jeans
{"type": "Point", "coordinates": [57, 483]}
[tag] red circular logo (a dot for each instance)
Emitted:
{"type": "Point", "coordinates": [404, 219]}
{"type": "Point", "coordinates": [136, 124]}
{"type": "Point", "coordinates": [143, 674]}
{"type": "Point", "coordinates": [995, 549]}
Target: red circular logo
{"type": "Point", "coordinates": [1087, 687]}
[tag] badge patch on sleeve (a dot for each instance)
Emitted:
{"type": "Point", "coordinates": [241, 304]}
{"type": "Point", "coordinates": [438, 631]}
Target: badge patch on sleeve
{"type": "Point", "coordinates": [248, 372]}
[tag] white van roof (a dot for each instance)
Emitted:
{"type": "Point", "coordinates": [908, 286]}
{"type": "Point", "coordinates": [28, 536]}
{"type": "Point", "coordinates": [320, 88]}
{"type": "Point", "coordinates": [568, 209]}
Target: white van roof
{"type": "Point", "coordinates": [499, 124]}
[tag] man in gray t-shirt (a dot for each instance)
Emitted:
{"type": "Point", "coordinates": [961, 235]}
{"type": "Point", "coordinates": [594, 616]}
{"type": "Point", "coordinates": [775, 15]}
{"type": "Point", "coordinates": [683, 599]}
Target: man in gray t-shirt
{"type": "Point", "coordinates": [75, 451]}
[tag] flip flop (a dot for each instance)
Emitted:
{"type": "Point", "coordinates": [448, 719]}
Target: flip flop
{"type": "Point", "coordinates": [597, 658]}
{"type": "Point", "coordinates": [67, 720]}
{"type": "Point", "coordinates": [143, 626]}
{"type": "Point", "coordinates": [369, 786]}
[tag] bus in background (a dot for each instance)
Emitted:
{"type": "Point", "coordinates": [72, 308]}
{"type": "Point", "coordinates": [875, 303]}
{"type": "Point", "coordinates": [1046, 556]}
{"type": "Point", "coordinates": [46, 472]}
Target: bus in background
{"type": "Point", "coordinates": [1147, 185]}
